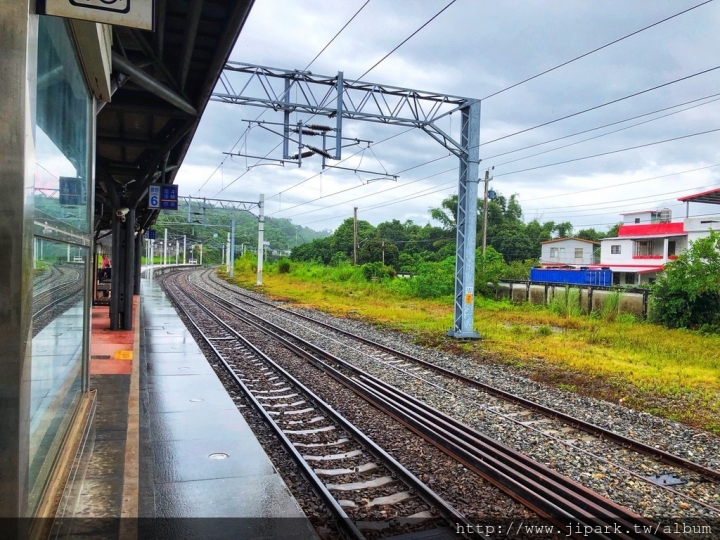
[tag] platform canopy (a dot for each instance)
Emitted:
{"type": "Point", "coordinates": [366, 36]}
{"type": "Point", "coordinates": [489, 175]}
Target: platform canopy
{"type": "Point", "coordinates": [707, 197]}
{"type": "Point", "coordinates": [161, 83]}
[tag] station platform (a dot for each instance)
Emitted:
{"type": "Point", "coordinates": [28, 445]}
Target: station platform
{"type": "Point", "coordinates": [167, 445]}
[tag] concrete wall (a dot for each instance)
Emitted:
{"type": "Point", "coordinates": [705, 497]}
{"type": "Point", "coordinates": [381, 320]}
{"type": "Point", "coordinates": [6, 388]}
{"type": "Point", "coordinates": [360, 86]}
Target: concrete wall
{"type": "Point", "coordinates": [591, 299]}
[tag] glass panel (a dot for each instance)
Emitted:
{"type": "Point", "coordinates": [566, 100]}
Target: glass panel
{"type": "Point", "coordinates": [61, 135]}
{"type": "Point", "coordinates": [57, 351]}
{"type": "Point", "coordinates": [61, 251]}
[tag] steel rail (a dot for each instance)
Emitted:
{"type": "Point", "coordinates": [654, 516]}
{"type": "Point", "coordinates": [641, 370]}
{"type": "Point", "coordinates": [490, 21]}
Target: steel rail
{"type": "Point", "coordinates": [549, 493]}
{"type": "Point", "coordinates": [627, 442]}
{"type": "Point", "coordinates": [49, 292]}
{"type": "Point", "coordinates": [430, 497]}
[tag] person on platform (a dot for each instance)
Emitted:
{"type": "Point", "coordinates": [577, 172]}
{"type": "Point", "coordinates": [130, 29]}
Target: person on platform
{"type": "Point", "coordinates": [105, 268]}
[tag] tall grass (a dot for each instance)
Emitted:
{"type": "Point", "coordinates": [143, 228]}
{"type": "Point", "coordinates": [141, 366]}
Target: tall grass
{"type": "Point", "coordinates": [565, 303]}
{"type": "Point", "coordinates": [657, 362]}
{"type": "Point", "coordinates": [611, 307]}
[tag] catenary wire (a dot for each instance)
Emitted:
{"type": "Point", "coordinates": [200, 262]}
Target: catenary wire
{"type": "Point", "coordinates": [264, 111]}
{"type": "Point", "coordinates": [609, 153]}
{"type": "Point", "coordinates": [446, 185]}
{"type": "Point", "coordinates": [603, 134]}
{"type": "Point", "coordinates": [595, 50]}
{"type": "Point", "coordinates": [592, 108]}
{"type": "Point", "coordinates": [403, 42]}
{"type": "Point", "coordinates": [365, 73]}
{"type": "Point", "coordinates": [531, 146]}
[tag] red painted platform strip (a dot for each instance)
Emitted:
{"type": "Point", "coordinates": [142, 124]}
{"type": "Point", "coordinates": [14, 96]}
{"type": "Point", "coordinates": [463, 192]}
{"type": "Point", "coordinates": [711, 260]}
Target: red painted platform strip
{"type": "Point", "coordinates": [107, 346]}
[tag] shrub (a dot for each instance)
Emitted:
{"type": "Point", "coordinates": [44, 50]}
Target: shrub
{"type": "Point", "coordinates": [376, 271]}
{"type": "Point", "coordinates": [283, 266]}
{"type": "Point", "coordinates": [434, 279]}
{"type": "Point", "coordinates": [688, 295]}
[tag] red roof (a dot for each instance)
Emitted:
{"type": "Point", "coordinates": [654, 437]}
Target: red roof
{"type": "Point", "coordinates": [708, 197]}
{"type": "Point", "coordinates": [676, 227]}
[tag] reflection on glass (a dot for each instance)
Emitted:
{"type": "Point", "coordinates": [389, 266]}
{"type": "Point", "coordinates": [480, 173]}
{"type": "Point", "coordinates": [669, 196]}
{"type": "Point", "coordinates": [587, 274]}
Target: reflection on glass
{"type": "Point", "coordinates": [57, 351]}
{"type": "Point", "coordinates": [61, 187]}
{"type": "Point", "coordinates": [61, 134]}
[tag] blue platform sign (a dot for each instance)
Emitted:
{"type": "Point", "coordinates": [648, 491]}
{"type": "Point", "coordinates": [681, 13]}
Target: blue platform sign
{"type": "Point", "coordinates": [169, 197]}
{"type": "Point", "coordinates": [162, 196]}
{"type": "Point", "coordinates": [150, 234]}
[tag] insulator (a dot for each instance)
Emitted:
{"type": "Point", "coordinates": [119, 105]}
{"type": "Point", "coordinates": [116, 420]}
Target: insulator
{"type": "Point", "coordinates": [321, 152]}
{"type": "Point", "coordinates": [304, 154]}
{"type": "Point", "coordinates": [307, 132]}
{"type": "Point", "coordinates": [319, 128]}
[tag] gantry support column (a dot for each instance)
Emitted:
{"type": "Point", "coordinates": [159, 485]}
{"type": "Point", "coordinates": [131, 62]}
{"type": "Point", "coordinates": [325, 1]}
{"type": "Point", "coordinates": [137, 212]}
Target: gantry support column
{"type": "Point", "coordinates": [464, 303]}
{"type": "Point", "coordinates": [123, 271]}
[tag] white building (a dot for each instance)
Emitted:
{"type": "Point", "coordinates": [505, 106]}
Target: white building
{"type": "Point", "coordinates": [648, 239]}
{"type": "Point", "coordinates": [568, 251]}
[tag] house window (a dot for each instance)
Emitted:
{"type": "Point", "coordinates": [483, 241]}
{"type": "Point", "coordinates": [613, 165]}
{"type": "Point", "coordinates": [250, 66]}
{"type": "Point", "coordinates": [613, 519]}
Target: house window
{"type": "Point", "coordinates": [643, 248]}
{"type": "Point", "coordinates": [553, 253]}
{"type": "Point", "coordinates": [671, 247]}
{"type": "Point", "coordinates": [637, 220]}
{"type": "Point", "coordinates": [616, 278]}
{"type": "Point", "coordinates": [578, 253]}
{"type": "Point", "coordinates": [615, 249]}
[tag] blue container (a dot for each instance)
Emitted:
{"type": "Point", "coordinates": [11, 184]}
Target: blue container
{"type": "Point", "coordinates": [572, 276]}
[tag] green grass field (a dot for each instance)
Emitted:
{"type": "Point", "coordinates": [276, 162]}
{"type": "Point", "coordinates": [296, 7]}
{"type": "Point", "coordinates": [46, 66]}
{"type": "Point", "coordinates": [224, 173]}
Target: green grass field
{"type": "Point", "coordinates": [671, 373]}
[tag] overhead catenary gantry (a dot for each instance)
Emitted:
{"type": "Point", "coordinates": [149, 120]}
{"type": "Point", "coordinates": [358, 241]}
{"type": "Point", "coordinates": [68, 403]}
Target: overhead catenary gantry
{"type": "Point", "coordinates": [238, 206]}
{"type": "Point", "coordinates": [340, 98]}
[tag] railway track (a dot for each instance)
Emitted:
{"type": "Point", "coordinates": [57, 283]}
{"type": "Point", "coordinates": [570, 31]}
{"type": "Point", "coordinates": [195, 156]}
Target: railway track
{"type": "Point", "coordinates": [53, 300]}
{"type": "Point", "coordinates": [330, 451]}
{"type": "Point", "coordinates": [552, 495]}
{"type": "Point", "coordinates": [555, 425]}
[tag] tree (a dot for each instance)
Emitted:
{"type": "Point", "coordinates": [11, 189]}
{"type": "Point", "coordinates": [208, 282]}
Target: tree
{"type": "Point", "coordinates": [590, 234]}
{"type": "Point", "coordinates": [447, 213]}
{"type": "Point", "coordinates": [613, 231]}
{"type": "Point", "coordinates": [564, 229]}
{"type": "Point", "coordinates": [688, 295]}
{"type": "Point", "coordinates": [342, 240]}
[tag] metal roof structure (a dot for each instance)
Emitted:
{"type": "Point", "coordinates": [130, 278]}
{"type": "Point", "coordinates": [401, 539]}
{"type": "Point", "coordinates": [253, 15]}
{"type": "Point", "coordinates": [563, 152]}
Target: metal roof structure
{"type": "Point", "coordinates": [161, 84]}
{"type": "Point", "coordinates": [708, 197]}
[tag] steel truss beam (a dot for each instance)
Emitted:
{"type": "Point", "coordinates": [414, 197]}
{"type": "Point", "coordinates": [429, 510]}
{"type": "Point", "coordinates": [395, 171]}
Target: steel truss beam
{"type": "Point", "coordinates": [335, 96]}
{"type": "Point", "coordinates": [341, 98]}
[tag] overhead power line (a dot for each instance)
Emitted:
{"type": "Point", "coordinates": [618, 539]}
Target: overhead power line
{"type": "Point", "coordinates": [595, 50]}
{"type": "Point", "coordinates": [610, 125]}
{"type": "Point", "coordinates": [336, 35]}
{"type": "Point", "coordinates": [601, 105]}
{"type": "Point", "coordinates": [342, 90]}
{"type": "Point", "coordinates": [609, 153]}
{"type": "Point", "coordinates": [264, 111]}
{"type": "Point", "coordinates": [512, 151]}
{"type": "Point", "coordinates": [443, 187]}
{"type": "Point", "coordinates": [403, 42]}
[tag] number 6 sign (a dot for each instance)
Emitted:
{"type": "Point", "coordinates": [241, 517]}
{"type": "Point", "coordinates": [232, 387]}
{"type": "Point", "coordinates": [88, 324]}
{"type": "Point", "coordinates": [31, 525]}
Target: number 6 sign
{"type": "Point", "coordinates": [154, 196]}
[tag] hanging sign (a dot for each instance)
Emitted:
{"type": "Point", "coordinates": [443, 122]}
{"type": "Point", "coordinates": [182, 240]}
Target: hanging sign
{"type": "Point", "coordinates": [163, 196]}
{"type": "Point", "coordinates": [132, 13]}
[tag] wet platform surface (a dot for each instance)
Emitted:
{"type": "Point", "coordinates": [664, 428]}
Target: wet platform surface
{"type": "Point", "coordinates": [196, 456]}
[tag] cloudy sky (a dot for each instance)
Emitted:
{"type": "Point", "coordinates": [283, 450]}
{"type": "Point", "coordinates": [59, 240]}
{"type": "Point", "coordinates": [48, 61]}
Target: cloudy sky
{"type": "Point", "coordinates": [476, 48]}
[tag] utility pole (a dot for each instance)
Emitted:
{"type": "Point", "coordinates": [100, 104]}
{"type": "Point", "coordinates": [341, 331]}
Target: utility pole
{"type": "Point", "coordinates": [231, 272]}
{"type": "Point", "coordinates": [200, 253]}
{"type": "Point", "coordinates": [261, 239]}
{"type": "Point", "coordinates": [383, 251]}
{"type": "Point", "coordinates": [355, 240]}
{"type": "Point", "coordinates": [177, 249]}
{"type": "Point", "coordinates": [184, 247]}
{"type": "Point", "coordinates": [485, 209]}
{"type": "Point", "coordinates": [165, 249]}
